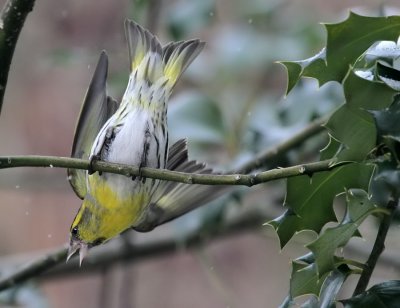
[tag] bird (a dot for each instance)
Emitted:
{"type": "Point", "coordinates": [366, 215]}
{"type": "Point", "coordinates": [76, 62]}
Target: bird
{"type": "Point", "coordinates": [133, 132]}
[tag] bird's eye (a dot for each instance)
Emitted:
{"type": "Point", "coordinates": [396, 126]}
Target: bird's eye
{"type": "Point", "coordinates": [74, 231]}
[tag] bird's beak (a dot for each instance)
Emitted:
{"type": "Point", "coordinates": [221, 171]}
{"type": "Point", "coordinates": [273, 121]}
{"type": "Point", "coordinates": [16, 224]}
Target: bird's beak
{"type": "Point", "coordinates": [74, 246]}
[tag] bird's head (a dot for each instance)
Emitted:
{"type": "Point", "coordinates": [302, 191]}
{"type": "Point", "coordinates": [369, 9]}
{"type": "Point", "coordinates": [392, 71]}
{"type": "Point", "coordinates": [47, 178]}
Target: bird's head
{"type": "Point", "coordinates": [85, 231]}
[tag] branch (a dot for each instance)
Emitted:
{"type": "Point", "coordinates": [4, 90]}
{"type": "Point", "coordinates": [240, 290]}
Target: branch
{"type": "Point", "coordinates": [168, 175]}
{"type": "Point", "coordinates": [109, 254]}
{"type": "Point", "coordinates": [379, 247]}
{"type": "Point", "coordinates": [33, 269]}
{"type": "Point", "coordinates": [12, 19]}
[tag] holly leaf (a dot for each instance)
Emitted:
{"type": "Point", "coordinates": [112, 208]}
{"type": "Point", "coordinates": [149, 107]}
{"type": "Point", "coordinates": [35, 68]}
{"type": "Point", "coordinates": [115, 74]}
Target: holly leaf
{"type": "Point", "coordinates": [387, 120]}
{"type": "Point", "coordinates": [314, 66]}
{"type": "Point", "coordinates": [361, 95]}
{"type": "Point", "coordinates": [346, 41]}
{"type": "Point", "coordinates": [359, 207]}
{"type": "Point", "coordinates": [386, 181]}
{"type": "Point", "coordinates": [304, 279]}
{"type": "Point", "coordinates": [309, 200]}
{"type": "Point", "coordinates": [329, 289]}
{"type": "Point", "coordinates": [383, 295]}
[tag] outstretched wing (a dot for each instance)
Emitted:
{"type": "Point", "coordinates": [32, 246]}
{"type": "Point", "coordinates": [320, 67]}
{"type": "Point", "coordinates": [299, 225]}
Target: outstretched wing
{"type": "Point", "coordinates": [174, 199]}
{"type": "Point", "coordinates": [96, 109]}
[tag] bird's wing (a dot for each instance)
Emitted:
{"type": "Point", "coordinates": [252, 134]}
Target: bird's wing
{"type": "Point", "coordinates": [96, 109]}
{"type": "Point", "coordinates": [173, 199]}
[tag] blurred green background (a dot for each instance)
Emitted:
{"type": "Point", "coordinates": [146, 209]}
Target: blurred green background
{"type": "Point", "coordinates": [230, 104]}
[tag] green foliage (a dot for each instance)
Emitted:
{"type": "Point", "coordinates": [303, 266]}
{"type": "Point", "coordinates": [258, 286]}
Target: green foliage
{"type": "Point", "coordinates": [359, 206]}
{"type": "Point", "coordinates": [315, 271]}
{"type": "Point", "coordinates": [361, 55]}
{"type": "Point", "coordinates": [345, 44]}
{"type": "Point", "coordinates": [304, 279]}
{"type": "Point", "coordinates": [310, 199]}
{"type": "Point", "coordinates": [387, 120]}
{"type": "Point", "coordinates": [351, 124]}
{"type": "Point", "coordinates": [383, 295]}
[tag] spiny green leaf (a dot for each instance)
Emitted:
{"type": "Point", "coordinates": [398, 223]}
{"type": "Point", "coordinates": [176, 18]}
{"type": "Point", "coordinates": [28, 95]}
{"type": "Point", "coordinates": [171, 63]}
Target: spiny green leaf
{"type": "Point", "coordinates": [332, 149]}
{"type": "Point", "coordinates": [346, 42]}
{"type": "Point", "coordinates": [314, 66]}
{"type": "Point", "coordinates": [329, 290]}
{"type": "Point", "coordinates": [362, 139]}
{"type": "Point", "coordinates": [387, 120]}
{"type": "Point", "coordinates": [383, 295]}
{"type": "Point", "coordinates": [386, 181]}
{"type": "Point", "coordinates": [310, 199]}
{"type": "Point", "coordinates": [368, 95]}
{"type": "Point", "coordinates": [359, 206]}
{"type": "Point", "coordinates": [351, 124]}
{"type": "Point", "coordinates": [305, 280]}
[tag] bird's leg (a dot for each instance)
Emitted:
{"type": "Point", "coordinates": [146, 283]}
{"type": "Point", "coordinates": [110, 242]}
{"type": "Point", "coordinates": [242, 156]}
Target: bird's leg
{"type": "Point", "coordinates": [93, 158]}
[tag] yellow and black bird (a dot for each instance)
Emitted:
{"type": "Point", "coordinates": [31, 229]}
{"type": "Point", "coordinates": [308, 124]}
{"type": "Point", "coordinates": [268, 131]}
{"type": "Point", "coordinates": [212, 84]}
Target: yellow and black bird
{"type": "Point", "coordinates": [133, 132]}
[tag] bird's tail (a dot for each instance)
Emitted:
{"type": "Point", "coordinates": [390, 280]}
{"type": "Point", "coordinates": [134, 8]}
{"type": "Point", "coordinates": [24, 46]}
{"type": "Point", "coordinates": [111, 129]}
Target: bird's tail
{"type": "Point", "coordinates": [172, 199]}
{"type": "Point", "coordinates": [150, 61]}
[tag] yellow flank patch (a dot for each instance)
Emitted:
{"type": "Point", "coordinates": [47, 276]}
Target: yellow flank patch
{"type": "Point", "coordinates": [110, 213]}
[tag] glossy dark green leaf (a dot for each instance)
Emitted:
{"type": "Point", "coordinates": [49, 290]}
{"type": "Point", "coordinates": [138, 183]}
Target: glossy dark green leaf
{"type": "Point", "coordinates": [351, 124]}
{"type": "Point", "coordinates": [309, 200]}
{"type": "Point", "coordinates": [387, 120]}
{"type": "Point", "coordinates": [332, 149]}
{"type": "Point", "coordinates": [305, 280]}
{"type": "Point", "coordinates": [346, 42]}
{"type": "Point", "coordinates": [329, 289]}
{"type": "Point", "coordinates": [383, 295]}
{"type": "Point", "coordinates": [311, 67]}
{"type": "Point", "coordinates": [359, 206]}
{"type": "Point", "coordinates": [386, 181]}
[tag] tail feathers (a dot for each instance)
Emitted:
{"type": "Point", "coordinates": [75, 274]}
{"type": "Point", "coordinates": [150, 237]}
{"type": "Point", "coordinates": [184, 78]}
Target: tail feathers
{"type": "Point", "coordinates": [140, 43]}
{"type": "Point", "coordinates": [177, 56]}
{"type": "Point", "coordinates": [150, 61]}
{"type": "Point", "coordinates": [173, 199]}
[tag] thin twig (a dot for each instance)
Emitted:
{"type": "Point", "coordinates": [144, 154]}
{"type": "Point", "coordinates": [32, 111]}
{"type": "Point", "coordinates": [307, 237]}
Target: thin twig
{"type": "Point", "coordinates": [34, 268]}
{"type": "Point", "coordinates": [168, 175]}
{"type": "Point", "coordinates": [377, 249]}
{"type": "Point", "coordinates": [12, 19]}
{"type": "Point", "coordinates": [106, 255]}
